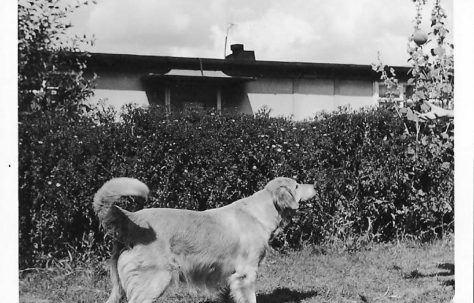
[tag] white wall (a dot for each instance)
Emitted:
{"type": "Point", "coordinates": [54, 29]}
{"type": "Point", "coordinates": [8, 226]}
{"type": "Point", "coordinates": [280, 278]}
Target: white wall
{"type": "Point", "coordinates": [118, 98]}
{"type": "Point", "coordinates": [297, 106]}
{"type": "Point", "coordinates": [306, 106]}
{"type": "Point", "coordinates": [354, 93]}
{"type": "Point", "coordinates": [297, 98]}
{"type": "Point", "coordinates": [303, 98]}
{"type": "Point", "coordinates": [280, 105]}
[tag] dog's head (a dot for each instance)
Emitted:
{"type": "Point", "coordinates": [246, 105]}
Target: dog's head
{"type": "Point", "coordinates": [287, 193]}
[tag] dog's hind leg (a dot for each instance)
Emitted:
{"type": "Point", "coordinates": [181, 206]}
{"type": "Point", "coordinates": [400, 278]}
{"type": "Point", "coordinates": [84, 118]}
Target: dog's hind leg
{"type": "Point", "coordinates": [115, 295]}
{"type": "Point", "coordinates": [145, 288]}
{"type": "Point", "coordinates": [117, 290]}
{"type": "Point", "coordinates": [144, 277]}
{"type": "Point", "coordinates": [224, 296]}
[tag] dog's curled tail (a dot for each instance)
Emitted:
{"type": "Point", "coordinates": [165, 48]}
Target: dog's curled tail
{"type": "Point", "coordinates": [120, 222]}
{"type": "Point", "coordinates": [112, 190]}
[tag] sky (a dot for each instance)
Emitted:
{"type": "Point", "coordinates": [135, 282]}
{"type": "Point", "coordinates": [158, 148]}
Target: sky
{"type": "Point", "coordinates": [324, 31]}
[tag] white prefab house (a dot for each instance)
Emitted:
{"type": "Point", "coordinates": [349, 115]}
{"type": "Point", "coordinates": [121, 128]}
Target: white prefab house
{"type": "Point", "coordinates": [237, 83]}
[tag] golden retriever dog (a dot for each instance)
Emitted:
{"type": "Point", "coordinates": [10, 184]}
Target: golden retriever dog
{"type": "Point", "coordinates": [217, 249]}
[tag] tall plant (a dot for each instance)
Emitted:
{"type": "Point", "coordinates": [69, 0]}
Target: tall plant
{"type": "Point", "coordinates": [432, 79]}
{"type": "Point", "coordinates": [51, 64]}
{"type": "Point", "coordinates": [432, 67]}
{"type": "Point", "coordinates": [432, 71]}
{"type": "Point", "coordinates": [51, 83]}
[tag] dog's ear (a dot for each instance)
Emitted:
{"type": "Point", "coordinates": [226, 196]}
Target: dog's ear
{"type": "Point", "coordinates": [284, 198]}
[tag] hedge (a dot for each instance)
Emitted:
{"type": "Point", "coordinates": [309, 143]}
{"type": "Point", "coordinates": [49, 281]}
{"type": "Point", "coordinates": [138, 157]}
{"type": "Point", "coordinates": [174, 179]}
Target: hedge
{"type": "Point", "coordinates": [374, 180]}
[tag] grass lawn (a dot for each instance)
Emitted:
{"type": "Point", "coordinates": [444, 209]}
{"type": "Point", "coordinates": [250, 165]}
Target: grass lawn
{"type": "Point", "coordinates": [403, 272]}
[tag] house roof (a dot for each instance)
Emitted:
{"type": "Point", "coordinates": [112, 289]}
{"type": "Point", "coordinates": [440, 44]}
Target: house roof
{"type": "Point", "coordinates": [236, 68]}
{"type": "Point", "coordinates": [190, 79]}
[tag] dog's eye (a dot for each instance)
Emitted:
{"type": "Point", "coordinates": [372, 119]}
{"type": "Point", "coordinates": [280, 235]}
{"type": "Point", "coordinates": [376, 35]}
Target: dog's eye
{"type": "Point", "coordinates": [296, 186]}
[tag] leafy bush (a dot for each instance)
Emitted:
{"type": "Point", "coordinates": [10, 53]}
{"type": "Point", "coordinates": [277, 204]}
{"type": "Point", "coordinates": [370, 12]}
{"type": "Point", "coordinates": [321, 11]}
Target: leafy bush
{"type": "Point", "coordinates": [373, 180]}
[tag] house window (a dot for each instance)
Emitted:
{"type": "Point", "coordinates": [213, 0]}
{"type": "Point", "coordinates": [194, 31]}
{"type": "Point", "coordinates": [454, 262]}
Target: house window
{"type": "Point", "coordinates": [384, 92]}
{"type": "Point", "coordinates": [400, 93]}
{"type": "Point", "coordinates": [196, 96]}
{"type": "Point", "coordinates": [409, 90]}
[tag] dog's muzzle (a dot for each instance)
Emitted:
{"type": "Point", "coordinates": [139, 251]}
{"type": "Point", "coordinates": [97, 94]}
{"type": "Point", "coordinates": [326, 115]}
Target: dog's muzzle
{"type": "Point", "coordinates": [307, 191]}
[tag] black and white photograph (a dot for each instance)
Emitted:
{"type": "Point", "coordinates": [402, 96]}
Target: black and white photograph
{"type": "Point", "coordinates": [237, 151]}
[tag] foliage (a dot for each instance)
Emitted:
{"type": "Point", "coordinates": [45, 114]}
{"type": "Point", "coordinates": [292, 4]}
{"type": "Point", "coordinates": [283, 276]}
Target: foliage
{"type": "Point", "coordinates": [51, 64]}
{"type": "Point", "coordinates": [432, 75]}
{"type": "Point", "coordinates": [432, 71]}
{"type": "Point", "coordinates": [374, 181]}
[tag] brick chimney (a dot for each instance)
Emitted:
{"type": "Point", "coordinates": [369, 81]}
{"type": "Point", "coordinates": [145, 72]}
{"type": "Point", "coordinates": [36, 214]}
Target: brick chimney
{"type": "Point", "coordinates": [238, 53]}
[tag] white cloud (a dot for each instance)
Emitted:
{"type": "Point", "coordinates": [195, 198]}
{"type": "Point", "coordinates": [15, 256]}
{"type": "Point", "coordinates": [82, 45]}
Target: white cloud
{"type": "Point", "coordinates": [275, 36]}
{"type": "Point", "coordinates": [316, 31]}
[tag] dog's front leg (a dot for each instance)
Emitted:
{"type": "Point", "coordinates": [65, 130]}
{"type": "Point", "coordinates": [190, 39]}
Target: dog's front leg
{"type": "Point", "coordinates": [242, 287]}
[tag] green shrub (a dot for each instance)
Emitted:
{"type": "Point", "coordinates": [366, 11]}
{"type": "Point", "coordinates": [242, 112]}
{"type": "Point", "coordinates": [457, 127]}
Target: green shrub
{"type": "Point", "coordinates": [373, 180]}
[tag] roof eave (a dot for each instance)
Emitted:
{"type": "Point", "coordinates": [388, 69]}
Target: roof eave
{"type": "Point", "coordinates": [243, 68]}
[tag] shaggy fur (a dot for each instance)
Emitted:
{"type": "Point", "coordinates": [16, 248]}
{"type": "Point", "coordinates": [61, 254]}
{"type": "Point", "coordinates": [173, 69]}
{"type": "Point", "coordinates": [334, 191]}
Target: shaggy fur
{"type": "Point", "coordinates": [215, 249]}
